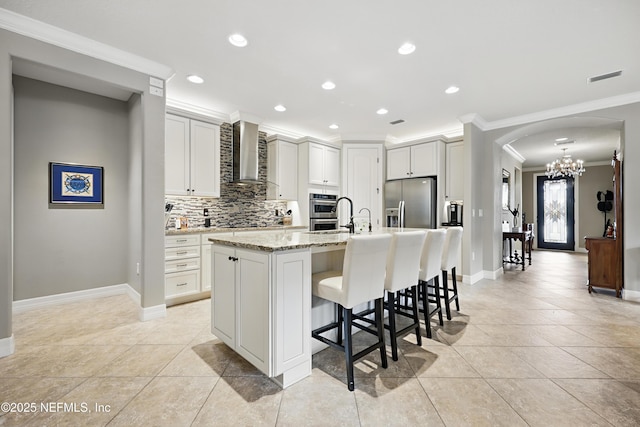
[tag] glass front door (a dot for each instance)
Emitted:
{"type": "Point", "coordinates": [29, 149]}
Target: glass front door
{"type": "Point", "coordinates": [555, 213]}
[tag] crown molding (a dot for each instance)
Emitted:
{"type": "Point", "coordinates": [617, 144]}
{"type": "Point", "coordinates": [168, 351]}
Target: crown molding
{"type": "Point", "coordinates": [513, 153]}
{"type": "Point", "coordinates": [583, 107]}
{"type": "Point", "coordinates": [277, 131]}
{"type": "Point", "coordinates": [47, 33]}
{"type": "Point", "coordinates": [193, 111]}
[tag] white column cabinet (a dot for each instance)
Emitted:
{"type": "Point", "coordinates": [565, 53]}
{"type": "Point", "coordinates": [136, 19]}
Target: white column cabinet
{"type": "Point", "coordinates": [282, 169]}
{"type": "Point", "coordinates": [454, 171]}
{"type": "Point", "coordinates": [363, 181]}
{"type": "Point", "coordinates": [192, 157]}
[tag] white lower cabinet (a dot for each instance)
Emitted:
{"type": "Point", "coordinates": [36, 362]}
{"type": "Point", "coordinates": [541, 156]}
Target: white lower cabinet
{"type": "Point", "coordinates": [182, 266]}
{"type": "Point", "coordinates": [261, 308]}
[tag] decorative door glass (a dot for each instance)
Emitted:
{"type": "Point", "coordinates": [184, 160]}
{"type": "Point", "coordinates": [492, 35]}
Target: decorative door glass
{"type": "Point", "coordinates": [555, 211]}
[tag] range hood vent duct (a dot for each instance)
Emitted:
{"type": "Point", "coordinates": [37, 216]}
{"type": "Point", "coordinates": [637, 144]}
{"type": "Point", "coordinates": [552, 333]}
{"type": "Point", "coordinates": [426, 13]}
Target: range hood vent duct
{"type": "Point", "coordinates": [245, 152]}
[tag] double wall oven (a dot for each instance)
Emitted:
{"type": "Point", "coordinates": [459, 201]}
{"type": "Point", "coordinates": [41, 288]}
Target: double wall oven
{"type": "Point", "coordinates": [323, 214]}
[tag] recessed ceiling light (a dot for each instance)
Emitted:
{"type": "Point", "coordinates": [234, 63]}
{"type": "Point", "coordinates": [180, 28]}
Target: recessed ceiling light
{"type": "Point", "coordinates": [561, 139]}
{"type": "Point", "coordinates": [451, 89]}
{"type": "Point", "coordinates": [333, 126]}
{"type": "Point", "coordinates": [382, 111]}
{"type": "Point", "coordinates": [328, 85]}
{"type": "Point", "coordinates": [280, 108]}
{"type": "Point", "coordinates": [238, 40]}
{"type": "Point", "coordinates": [195, 79]}
{"type": "Point", "coordinates": [406, 49]}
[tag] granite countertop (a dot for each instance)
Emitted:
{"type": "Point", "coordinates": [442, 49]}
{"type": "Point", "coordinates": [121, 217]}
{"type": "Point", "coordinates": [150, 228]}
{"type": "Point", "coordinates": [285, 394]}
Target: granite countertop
{"type": "Point", "coordinates": [288, 240]}
{"type": "Point", "coordinates": [205, 230]}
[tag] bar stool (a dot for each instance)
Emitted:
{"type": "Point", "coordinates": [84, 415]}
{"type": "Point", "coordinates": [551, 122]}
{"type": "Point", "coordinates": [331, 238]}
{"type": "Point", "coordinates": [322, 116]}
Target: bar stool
{"type": "Point", "coordinates": [430, 262]}
{"type": "Point", "coordinates": [403, 268]}
{"type": "Point", "coordinates": [361, 281]}
{"type": "Point", "coordinates": [449, 260]}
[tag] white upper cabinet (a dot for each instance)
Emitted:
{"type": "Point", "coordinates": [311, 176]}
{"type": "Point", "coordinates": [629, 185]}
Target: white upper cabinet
{"type": "Point", "coordinates": [324, 165]}
{"type": "Point", "coordinates": [192, 157]}
{"type": "Point", "coordinates": [455, 171]}
{"type": "Point", "coordinates": [413, 161]}
{"type": "Point", "coordinates": [282, 170]}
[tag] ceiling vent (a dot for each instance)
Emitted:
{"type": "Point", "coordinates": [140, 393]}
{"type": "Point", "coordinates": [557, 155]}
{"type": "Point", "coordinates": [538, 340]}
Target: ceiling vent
{"type": "Point", "coordinates": [396, 122]}
{"type": "Point", "coordinates": [569, 141]}
{"type": "Point", "coordinates": [604, 76]}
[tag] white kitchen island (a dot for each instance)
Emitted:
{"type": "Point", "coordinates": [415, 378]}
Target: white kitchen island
{"type": "Point", "coordinates": [261, 302]}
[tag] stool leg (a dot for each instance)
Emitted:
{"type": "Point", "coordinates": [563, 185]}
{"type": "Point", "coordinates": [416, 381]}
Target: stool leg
{"type": "Point", "coordinates": [340, 320]}
{"type": "Point", "coordinates": [348, 347]}
{"type": "Point", "coordinates": [436, 284]}
{"type": "Point", "coordinates": [425, 306]}
{"type": "Point", "coordinates": [416, 313]}
{"type": "Point", "coordinates": [380, 325]}
{"type": "Point", "coordinates": [455, 287]}
{"type": "Point", "coordinates": [391, 308]}
{"type": "Point", "coordinates": [445, 288]}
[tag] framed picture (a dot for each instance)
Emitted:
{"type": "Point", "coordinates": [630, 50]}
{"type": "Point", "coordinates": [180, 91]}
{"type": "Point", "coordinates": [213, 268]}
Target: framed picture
{"type": "Point", "coordinates": [71, 184]}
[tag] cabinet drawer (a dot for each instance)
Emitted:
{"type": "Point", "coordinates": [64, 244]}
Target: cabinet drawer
{"type": "Point", "coordinates": [176, 284]}
{"type": "Point", "coordinates": [182, 265]}
{"type": "Point", "coordinates": [182, 252]}
{"type": "Point", "coordinates": [186, 240]}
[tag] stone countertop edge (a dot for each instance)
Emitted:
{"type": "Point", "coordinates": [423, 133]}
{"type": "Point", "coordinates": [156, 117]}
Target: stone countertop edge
{"type": "Point", "coordinates": [293, 240]}
{"type": "Point", "coordinates": [206, 230]}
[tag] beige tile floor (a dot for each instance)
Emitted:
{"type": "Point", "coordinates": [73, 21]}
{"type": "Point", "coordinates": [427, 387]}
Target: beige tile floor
{"type": "Point", "coordinates": [532, 348]}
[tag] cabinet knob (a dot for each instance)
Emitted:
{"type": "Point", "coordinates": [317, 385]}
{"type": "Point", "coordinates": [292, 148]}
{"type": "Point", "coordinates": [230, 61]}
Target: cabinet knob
{"type": "Point", "coordinates": [232, 258]}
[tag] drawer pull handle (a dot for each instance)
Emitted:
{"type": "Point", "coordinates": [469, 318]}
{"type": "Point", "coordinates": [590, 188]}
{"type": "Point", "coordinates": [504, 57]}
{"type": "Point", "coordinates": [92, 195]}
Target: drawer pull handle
{"type": "Point", "coordinates": [181, 265]}
{"type": "Point", "coordinates": [181, 240]}
{"type": "Point", "coordinates": [232, 258]}
{"type": "Point", "coordinates": [182, 284]}
{"type": "Point", "coordinates": [182, 253]}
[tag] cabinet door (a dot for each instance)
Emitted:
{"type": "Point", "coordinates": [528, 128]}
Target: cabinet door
{"type": "Point", "coordinates": [424, 160]}
{"type": "Point", "coordinates": [316, 164]}
{"type": "Point", "coordinates": [331, 166]}
{"type": "Point", "coordinates": [288, 171]}
{"type": "Point", "coordinates": [363, 182]}
{"type": "Point", "coordinates": [399, 163]}
{"type": "Point", "coordinates": [223, 306]}
{"type": "Point", "coordinates": [205, 269]}
{"type": "Point", "coordinates": [455, 171]}
{"type": "Point", "coordinates": [176, 153]}
{"type": "Point", "coordinates": [205, 159]}
{"type": "Point", "coordinates": [253, 341]}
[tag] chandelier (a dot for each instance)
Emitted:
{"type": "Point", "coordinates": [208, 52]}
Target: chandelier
{"type": "Point", "coordinates": [565, 167]}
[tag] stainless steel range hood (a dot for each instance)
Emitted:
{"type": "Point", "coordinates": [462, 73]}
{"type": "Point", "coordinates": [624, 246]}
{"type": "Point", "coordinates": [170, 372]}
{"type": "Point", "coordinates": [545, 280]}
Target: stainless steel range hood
{"type": "Point", "coordinates": [245, 152]}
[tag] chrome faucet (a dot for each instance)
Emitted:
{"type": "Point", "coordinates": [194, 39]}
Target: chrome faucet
{"type": "Point", "coordinates": [350, 225]}
{"type": "Point", "coordinates": [368, 210]}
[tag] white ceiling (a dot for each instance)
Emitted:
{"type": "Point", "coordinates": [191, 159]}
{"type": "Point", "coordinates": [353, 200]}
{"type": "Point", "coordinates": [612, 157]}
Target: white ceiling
{"type": "Point", "coordinates": [508, 58]}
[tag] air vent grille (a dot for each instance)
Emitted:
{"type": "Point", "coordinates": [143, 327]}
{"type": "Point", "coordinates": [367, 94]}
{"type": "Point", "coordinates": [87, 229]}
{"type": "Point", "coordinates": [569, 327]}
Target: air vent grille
{"type": "Point", "coordinates": [605, 76]}
{"type": "Point", "coordinates": [396, 122]}
{"type": "Point", "coordinates": [570, 141]}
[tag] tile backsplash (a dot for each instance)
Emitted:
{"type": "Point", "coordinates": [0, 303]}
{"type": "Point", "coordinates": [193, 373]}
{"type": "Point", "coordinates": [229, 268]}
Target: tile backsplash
{"type": "Point", "coordinates": [238, 205]}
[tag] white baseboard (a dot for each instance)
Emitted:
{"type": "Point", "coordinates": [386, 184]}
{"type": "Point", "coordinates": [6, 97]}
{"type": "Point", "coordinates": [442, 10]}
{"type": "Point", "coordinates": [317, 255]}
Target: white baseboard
{"type": "Point", "coordinates": [87, 294]}
{"type": "Point", "coordinates": [630, 295]}
{"type": "Point", "coordinates": [493, 275]}
{"type": "Point", "coordinates": [7, 346]}
{"type": "Point", "coordinates": [150, 313]}
{"type": "Point", "coordinates": [470, 280]}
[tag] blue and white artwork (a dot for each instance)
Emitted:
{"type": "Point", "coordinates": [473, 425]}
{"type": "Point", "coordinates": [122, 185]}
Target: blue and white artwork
{"type": "Point", "coordinates": [75, 184]}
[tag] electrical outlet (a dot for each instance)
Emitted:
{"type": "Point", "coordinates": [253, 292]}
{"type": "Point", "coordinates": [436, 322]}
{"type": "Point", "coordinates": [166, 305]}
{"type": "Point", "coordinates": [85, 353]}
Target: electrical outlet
{"type": "Point", "coordinates": [473, 256]}
{"type": "Point", "coordinates": [138, 268]}
{"type": "Point", "coordinates": [205, 212]}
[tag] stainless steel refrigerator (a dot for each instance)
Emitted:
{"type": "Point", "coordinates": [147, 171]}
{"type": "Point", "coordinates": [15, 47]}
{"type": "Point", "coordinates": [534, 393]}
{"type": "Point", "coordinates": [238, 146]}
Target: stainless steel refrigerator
{"type": "Point", "coordinates": [411, 203]}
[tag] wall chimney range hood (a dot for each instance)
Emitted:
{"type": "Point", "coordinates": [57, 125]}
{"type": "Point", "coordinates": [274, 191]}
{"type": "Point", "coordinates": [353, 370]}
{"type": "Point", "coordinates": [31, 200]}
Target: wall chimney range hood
{"type": "Point", "coordinates": [245, 152]}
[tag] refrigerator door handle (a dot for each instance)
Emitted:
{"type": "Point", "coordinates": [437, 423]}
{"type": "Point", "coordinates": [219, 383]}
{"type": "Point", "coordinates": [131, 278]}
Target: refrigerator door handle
{"type": "Point", "coordinates": [401, 214]}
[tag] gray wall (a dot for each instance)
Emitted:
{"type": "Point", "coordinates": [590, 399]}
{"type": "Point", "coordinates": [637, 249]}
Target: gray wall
{"type": "Point", "coordinates": [149, 117]}
{"type": "Point", "coordinates": [61, 249]}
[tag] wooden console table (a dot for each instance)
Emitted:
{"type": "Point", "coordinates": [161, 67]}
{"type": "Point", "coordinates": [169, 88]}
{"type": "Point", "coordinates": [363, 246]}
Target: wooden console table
{"type": "Point", "coordinates": [526, 237]}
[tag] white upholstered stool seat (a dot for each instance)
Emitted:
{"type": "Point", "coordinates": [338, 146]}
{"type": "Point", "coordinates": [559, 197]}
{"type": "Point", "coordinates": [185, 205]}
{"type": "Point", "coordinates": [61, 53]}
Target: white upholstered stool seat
{"type": "Point", "coordinates": [450, 253]}
{"type": "Point", "coordinates": [430, 262]}
{"type": "Point", "coordinates": [403, 268]}
{"type": "Point", "coordinates": [361, 281]}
